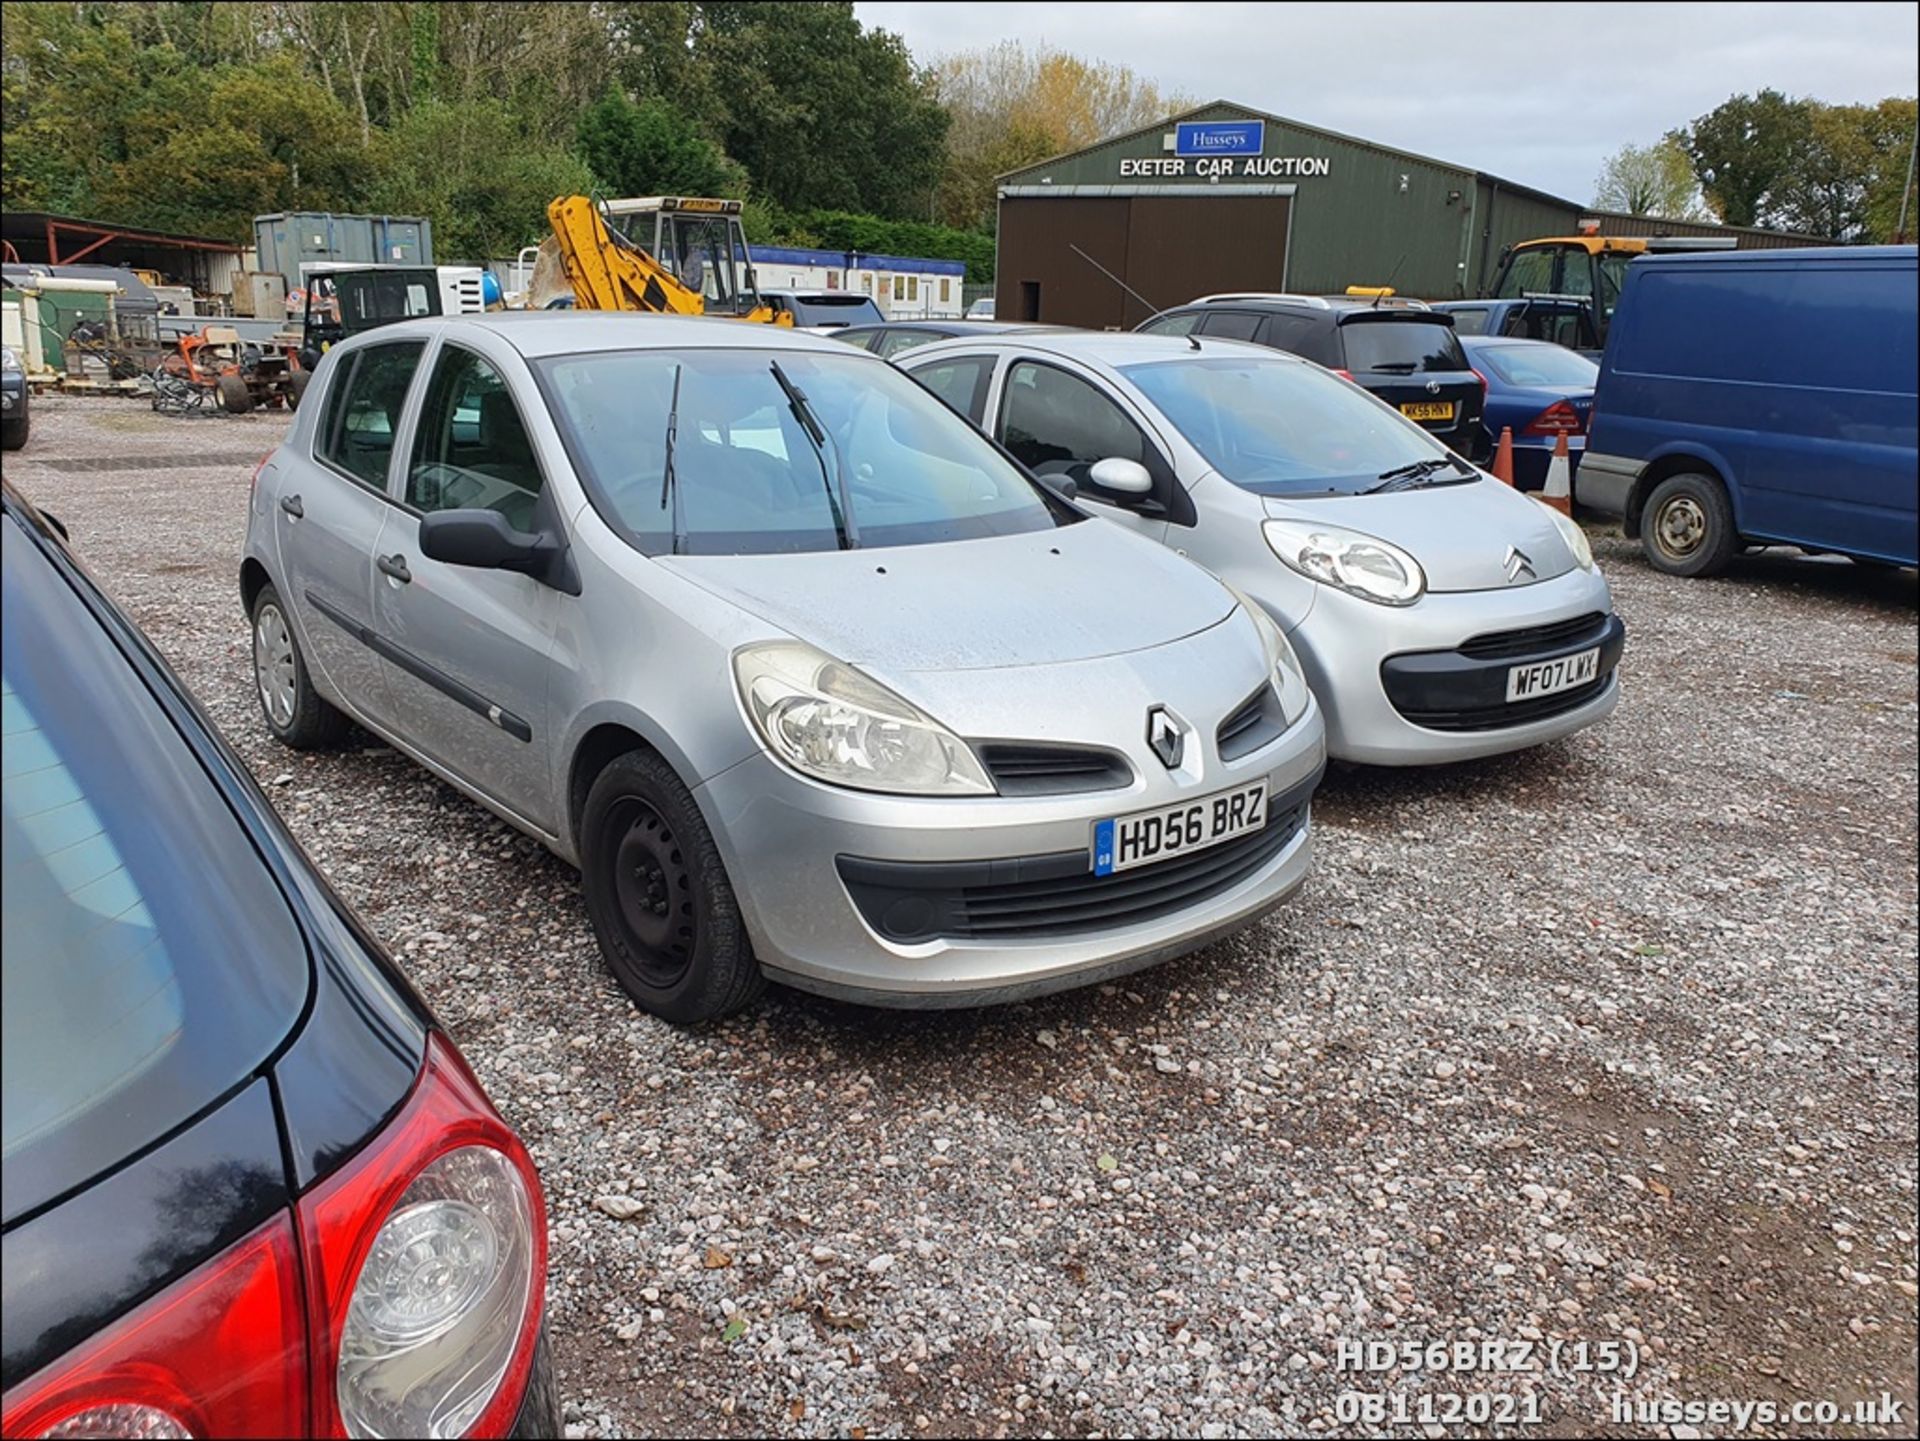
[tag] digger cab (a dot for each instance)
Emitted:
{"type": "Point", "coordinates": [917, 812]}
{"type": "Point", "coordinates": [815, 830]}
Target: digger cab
{"type": "Point", "coordinates": [700, 240]}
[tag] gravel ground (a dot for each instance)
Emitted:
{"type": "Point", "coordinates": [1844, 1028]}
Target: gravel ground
{"type": "Point", "coordinates": [1609, 1042]}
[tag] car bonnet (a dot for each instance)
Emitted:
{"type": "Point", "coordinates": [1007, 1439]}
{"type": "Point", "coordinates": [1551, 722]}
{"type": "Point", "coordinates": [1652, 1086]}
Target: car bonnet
{"type": "Point", "coordinates": [1460, 534]}
{"type": "Point", "coordinates": [1049, 597]}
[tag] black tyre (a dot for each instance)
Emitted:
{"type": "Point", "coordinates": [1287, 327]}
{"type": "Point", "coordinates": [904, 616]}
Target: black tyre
{"type": "Point", "coordinates": [13, 434]}
{"type": "Point", "coordinates": [297, 387]}
{"type": "Point", "coordinates": [235, 398]}
{"type": "Point", "coordinates": [294, 711]}
{"type": "Point", "coordinates": [659, 897]}
{"type": "Point", "coordinates": [1687, 527]}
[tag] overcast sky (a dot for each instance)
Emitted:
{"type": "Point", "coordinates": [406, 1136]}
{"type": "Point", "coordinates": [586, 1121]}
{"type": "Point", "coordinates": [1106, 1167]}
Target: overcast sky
{"type": "Point", "coordinates": [1536, 93]}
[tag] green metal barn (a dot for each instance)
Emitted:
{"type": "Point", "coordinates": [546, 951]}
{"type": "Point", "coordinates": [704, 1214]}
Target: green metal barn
{"type": "Point", "coordinates": [1229, 198]}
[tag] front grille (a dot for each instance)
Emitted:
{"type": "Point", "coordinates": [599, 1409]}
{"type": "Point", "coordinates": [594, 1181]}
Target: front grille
{"type": "Point", "coordinates": [1509, 713]}
{"type": "Point", "coordinates": [1258, 721]}
{"type": "Point", "coordinates": [1028, 768]}
{"type": "Point", "coordinates": [1057, 895]}
{"type": "Point", "coordinates": [1507, 644]}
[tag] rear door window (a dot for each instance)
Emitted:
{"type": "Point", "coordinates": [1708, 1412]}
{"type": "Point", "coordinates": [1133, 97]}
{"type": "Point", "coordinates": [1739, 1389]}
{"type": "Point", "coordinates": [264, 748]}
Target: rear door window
{"type": "Point", "coordinates": [1298, 335]}
{"type": "Point", "coordinates": [1232, 324]}
{"type": "Point", "coordinates": [1402, 347]}
{"type": "Point", "coordinates": [961, 381]}
{"type": "Point", "coordinates": [1471, 322]}
{"type": "Point", "coordinates": [150, 961]}
{"type": "Point", "coordinates": [364, 415]}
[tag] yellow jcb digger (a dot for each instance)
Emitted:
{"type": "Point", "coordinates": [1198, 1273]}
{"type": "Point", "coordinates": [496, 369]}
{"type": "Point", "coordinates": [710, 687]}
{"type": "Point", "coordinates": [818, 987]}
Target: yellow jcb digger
{"type": "Point", "coordinates": [667, 254]}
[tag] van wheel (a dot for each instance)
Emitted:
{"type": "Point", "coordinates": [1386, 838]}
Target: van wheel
{"type": "Point", "coordinates": [658, 895]}
{"type": "Point", "coordinates": [295, 712]}
{"type": "Point", "coordinates": [1687, 527]}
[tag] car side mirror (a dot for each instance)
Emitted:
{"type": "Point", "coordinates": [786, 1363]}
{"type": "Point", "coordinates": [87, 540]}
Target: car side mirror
{"type": "Point", "coordinates": [484, 540]}
{"type": "Point", "coordinates": [1122, 477]}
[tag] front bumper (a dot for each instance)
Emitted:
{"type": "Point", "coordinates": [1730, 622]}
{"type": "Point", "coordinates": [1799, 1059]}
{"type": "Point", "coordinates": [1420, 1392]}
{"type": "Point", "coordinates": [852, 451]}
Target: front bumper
{"type": "Point", "coordinates": [1347, 644]}
{"type": "Point", "coordinates": [786, 839]}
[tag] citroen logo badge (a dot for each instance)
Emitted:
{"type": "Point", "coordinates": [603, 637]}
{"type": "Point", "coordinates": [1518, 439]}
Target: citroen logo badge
{"type": "Point", "coordinates": [1167, 735]}
{"type": "Point", "coordinates": [1519, 563]}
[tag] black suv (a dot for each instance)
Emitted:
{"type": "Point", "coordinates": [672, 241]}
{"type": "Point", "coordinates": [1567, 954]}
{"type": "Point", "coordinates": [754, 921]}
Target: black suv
{"type": "Point", "coordinates": [1400, 350]}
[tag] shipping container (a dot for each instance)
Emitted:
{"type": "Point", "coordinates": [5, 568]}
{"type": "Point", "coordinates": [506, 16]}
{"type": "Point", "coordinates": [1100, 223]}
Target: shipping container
{"type": "Point", "coordinates": [288, 240]}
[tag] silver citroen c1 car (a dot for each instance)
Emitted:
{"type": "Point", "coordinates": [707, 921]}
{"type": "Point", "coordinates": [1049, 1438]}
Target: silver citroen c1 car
{"type": "Point", "coordinates": [808, 678]}
{"type": "Point", "coordinates": [1440, 615]}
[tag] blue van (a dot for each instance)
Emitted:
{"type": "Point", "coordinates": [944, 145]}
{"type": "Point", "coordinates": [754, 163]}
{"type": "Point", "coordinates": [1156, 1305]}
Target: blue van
{"type": "Point", "coordinates": [1760, 397]}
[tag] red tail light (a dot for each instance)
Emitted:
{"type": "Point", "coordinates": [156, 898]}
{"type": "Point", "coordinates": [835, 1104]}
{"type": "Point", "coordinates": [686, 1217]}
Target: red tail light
{"type": "Point", "coordinates": [425, 1263]}
{"type": "Point", "coordinates": [1560, 418]}
{"type": "Point", "coordinates": [1346, 375]}
{"type": "Point", "coordinates": [1481, 378]}
{"type": "Point", "coordinates": [221, 1352]}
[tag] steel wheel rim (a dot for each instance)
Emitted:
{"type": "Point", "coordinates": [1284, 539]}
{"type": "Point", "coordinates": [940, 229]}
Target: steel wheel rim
{"type": "Point", "coordinates": [273, 665]}
{"type": "Point", "coordinates": [1682, 525]}
{"type": "Point", "coordinates": [653, 892]}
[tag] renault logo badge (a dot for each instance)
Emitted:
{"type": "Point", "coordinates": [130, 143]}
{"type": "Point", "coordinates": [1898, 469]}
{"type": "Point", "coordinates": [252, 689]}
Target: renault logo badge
{"type": "Point", "coordinates": [1167, 735]}
{"type": "Point", "coordinates": [1519, 563]}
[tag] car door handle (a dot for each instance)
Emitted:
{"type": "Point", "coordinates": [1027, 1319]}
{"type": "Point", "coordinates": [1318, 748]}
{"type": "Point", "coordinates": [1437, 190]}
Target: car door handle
{"type": "Point", "coordinates": [395, 566]}
{"type": "Point", "coordinates": [291, 505]}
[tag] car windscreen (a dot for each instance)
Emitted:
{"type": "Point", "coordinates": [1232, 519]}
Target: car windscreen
{"type": "Point", "coordinates": [1401, 346]}
{"type": "Point", "coordinates": [1538, 364]}
{"type": "Point", "coordinates": [1279, 427]}
{"type": "Point", "coordinates": [897, 468]}
{"type": "Point", "coordinates": [834, 310]}
{"type": "Point", "coordinates": [150, 962]}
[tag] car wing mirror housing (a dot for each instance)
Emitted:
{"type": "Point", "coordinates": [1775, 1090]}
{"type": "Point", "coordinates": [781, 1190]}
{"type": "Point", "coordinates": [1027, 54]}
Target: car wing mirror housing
{"type": "Point", "coordinates": [1122, 477]}
{"type": "Point", "coordinates": [483, 539]}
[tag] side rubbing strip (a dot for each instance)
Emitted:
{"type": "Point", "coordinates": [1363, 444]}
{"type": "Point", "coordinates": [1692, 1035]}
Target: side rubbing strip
{"type": "Point", "coordinates": [420, 670]}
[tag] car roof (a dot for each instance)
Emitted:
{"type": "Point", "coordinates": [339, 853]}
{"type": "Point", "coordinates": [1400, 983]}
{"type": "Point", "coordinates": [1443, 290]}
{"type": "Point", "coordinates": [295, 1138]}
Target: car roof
{"type": "Point", "coordinates": [1119, 347]}
{"type": "Point", "coordinates": [1778, 254]}
{"type": "Point", "coordinates": [537, 333]}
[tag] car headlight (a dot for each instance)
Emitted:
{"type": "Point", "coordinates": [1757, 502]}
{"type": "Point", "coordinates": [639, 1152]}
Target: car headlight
{"type": "Point", "coordinates": [828, 721]}
{"type": "Point", "coordinates": [1575, 538]}
{"type": "Point", "coordinates": [1289, 678]}
{"type": "Point", "coordinates": [1361, 565]}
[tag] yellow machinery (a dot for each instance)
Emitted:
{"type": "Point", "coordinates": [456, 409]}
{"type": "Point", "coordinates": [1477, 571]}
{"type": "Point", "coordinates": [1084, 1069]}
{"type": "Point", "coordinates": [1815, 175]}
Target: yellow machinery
{"type": "Point", "coordinates": [673, 255]}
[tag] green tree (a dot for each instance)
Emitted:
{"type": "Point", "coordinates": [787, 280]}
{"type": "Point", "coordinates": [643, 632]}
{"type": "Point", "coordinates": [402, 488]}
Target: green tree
{"type": "Point", "coordinates": [261, 138]}
{"type": "Point", "coordinates": [1847, 171]}
{"type": "Point", "coordinates": [1654, 179]}
{"type": "Point", "coordinates": [819, 110]}
{"type": "Point", "coordinates": [1742, 151]}
{"type": "Point", "coordinates": [652, 149]}
{"type": "Point", "coordinates": [470, 167]}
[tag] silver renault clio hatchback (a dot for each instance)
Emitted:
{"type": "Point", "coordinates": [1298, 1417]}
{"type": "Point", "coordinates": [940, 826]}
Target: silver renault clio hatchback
{"type": "Point", "coordinates": [808, 677]}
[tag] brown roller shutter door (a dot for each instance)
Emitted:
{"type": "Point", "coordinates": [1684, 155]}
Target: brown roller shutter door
{"type": "Point", "coordinates": [1169, 248]}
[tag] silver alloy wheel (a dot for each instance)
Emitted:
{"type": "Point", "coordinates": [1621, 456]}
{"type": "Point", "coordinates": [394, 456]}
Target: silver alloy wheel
{"type": "Point", "coordinates": [273, 664]}
{"type": "Point", "coordinates": [1681, 526]}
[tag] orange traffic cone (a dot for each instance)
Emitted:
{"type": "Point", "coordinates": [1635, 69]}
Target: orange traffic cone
{"type": "Point", "coordinates": [1558, 491]}
{"type": "Point", "coordinates": [1503, 457]}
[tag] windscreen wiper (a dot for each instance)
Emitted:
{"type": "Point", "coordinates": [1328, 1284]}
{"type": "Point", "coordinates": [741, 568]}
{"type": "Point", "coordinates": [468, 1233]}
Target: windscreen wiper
{"type": "Point", "coordinates": [1405, 477]}
{"type": "Point", "coordinates": [669, 482]}
{"type": "Point", "coordinates": [833, 477]}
